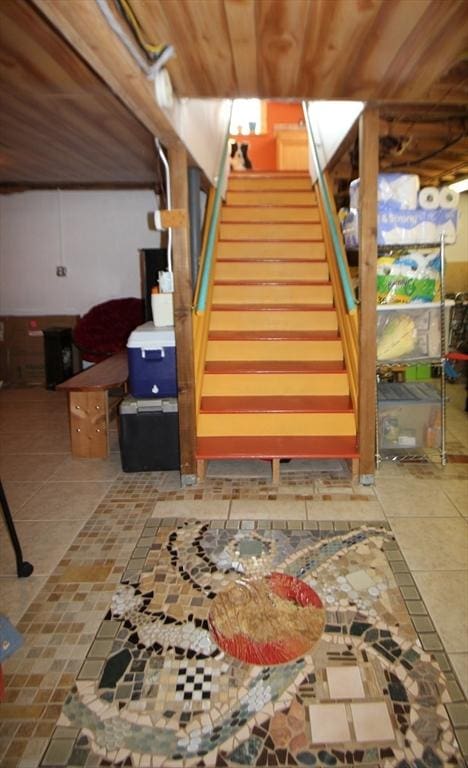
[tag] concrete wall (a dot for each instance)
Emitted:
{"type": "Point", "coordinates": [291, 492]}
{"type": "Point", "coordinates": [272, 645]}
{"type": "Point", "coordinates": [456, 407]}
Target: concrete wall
{"type": "Point", "coordinates": [95, 235]}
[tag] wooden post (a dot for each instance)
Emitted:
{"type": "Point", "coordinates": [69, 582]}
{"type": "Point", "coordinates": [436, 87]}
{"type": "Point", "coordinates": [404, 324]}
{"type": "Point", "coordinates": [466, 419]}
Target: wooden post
{"type": "Point", "coordinates": [181, 266]}
{"type": "Point", "coordinates": [368, 173]}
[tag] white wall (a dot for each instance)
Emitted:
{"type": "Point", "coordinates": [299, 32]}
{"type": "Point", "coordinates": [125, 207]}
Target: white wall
{"type": "Point", "coordinates": [331, 121]}
{"type": "Point", "coordinates": [96, 235]}
{"type": "Point", "coordinates": [201, 125]}
{"type": "Point", "coordinates": [459, 251]}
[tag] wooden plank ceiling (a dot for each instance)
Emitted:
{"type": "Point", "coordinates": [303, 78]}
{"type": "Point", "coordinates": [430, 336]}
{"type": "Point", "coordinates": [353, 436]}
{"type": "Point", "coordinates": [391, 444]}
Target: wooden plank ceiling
{"type": "Point", "coordinates": [61, 123]}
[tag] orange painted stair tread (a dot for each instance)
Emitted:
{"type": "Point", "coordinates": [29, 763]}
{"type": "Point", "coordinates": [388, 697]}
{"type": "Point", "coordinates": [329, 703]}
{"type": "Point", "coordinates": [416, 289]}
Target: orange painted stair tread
{"type": "Point", "coordinates": [277, 404]}
{"type": "Point", "coordinates": [277, 447]}
{"type": "Point", "coordinates": [266, 283]}
{"type": "Point", "coordinates": [274, 366]}
{"type": "Point", "coordinates": [272, 335]}
{"type": "Point", "coordinates": [272, 308]}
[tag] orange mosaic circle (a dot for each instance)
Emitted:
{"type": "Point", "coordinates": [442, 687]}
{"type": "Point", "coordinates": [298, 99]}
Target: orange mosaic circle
{"type": "Point", "coordinates": [267, 621]}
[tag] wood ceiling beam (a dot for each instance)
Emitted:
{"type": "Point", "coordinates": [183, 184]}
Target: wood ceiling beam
{"type": "Point", "coordinates": [86, 30]}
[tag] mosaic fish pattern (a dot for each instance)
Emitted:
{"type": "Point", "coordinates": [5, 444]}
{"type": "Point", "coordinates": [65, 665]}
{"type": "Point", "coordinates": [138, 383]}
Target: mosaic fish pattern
{"type": "Point", "coordinates": [164, 692]}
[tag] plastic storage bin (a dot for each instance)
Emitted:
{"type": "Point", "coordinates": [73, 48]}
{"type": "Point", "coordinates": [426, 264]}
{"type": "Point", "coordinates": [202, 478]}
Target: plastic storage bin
{"type": "Point", "coordinates": [409, 331]}
{"type": "Point", "coordinates": [149, 434]}
{"type": "Point", "coordinates": [409, 416]}
{"type": "Point", "coordinates": [152, 362]}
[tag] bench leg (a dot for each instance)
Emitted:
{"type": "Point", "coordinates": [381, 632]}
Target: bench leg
{"type": "Point", "coordinates": [89, 424]}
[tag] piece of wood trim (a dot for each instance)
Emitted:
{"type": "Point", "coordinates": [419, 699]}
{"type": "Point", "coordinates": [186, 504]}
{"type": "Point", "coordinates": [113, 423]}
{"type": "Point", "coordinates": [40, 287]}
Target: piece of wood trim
{"type": "Point", "coordinates": [368, 173]}
{"type": "Point", "coordinates": [89, 424]}
{"type": "Point", "coordinates": [174, 218]}
{"type": "Point", "coordinates": [84, 27]}
{"type": "Point", "coordinates": [178, 161]}
{"type": "Point", "coordinates": [275, 471]}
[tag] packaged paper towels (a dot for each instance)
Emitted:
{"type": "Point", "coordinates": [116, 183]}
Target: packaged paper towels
{"type": "Point", "coordinates": [397, 190]}
{"type": "Point", "coordinates": [429, 198]}
{"type": "Point", "coordinates": [448, 198]}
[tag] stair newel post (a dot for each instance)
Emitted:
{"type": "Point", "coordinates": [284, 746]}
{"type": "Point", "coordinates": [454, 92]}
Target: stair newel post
{"type": "Point", "coordinates": [183, 316]}
{"type": "Point", "coordinates": [368, 173]}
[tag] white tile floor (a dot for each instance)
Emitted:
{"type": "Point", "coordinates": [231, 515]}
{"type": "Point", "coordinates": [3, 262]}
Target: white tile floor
{"type": "Point", "coordinates": [52, 496]}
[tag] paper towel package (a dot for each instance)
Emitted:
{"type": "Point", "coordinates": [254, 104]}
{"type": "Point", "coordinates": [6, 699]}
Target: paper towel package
{"type": "Point", "coordinates": [397, 190]}
{"type": "Point", "coordinates": [419, 227]}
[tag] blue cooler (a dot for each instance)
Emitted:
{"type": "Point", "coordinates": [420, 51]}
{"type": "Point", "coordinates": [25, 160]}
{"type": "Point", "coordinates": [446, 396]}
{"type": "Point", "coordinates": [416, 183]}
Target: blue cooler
{"type": "Point", "coordinates": [152, 362]}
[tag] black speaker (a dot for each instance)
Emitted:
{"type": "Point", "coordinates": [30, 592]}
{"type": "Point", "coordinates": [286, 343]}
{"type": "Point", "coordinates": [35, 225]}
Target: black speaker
{"type": "Point", "coordinates": [58, 352]}
{"type": "Point", "coordinates": [152, 261]}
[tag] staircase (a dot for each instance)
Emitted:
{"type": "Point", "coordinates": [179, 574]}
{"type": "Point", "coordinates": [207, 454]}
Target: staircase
{"type": "Point", "coordinates": [275, 384]}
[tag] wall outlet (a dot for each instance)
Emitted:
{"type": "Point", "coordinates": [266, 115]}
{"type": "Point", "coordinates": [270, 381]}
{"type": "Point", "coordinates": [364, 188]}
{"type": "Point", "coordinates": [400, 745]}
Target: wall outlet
{"type": "Point", "coordinates": [61, 271]}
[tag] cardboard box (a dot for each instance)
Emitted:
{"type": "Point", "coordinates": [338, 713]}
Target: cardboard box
{"type": "Point", "coordinates": [22, 361]}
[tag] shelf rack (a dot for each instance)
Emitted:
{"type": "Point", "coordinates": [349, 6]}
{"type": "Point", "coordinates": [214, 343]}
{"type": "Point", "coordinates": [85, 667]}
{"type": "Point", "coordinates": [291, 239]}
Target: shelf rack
{"type": "Point", "coordinates": [434, 361]}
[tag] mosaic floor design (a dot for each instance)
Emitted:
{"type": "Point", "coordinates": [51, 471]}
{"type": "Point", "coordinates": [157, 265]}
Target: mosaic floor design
{"type": "Point", "coordinates": [358, 686]}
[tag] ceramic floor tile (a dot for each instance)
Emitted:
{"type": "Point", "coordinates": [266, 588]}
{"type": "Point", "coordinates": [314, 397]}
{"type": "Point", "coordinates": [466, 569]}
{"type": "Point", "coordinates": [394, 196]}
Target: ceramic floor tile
{"type": "Point", "coordinates": [18, 492]}
{"type": "Point", "coordinates": [459, 663]}
{"type": "Point", "coordinates": [328, 723]}
{"type": "Point", "coordinates": [34, 467]}
{"type": "Point", "coordinates": [445, 594]}
{"type": "Point", "coordinates": [372, 722]}
{"type": "Point", "coordinates": [17, 593]}
{"type": "Point", "coordinates": [88, 469]}
{"type": "Point", "coordinates": [43, 543]}
{"type": "Point", "coordinates": [201, 510]}
{"type": "Point", "coordinates": [64, 501]}
{"type": "Point", "coordinates": [414, 498]}
{"type": "Point", "coordinates": [345, 683]}
{"type": "Point", "coordinates": [267, 510]}
{"type": "Point", "coordinates": [344, 509]}
{"type": "Point", "coordinates": [433, 543]}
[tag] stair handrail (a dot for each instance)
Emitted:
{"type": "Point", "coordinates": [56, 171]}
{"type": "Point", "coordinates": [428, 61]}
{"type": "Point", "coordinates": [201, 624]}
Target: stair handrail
{"type": "Point", "coordinates": [201, 292]}
{"type": "Point", "coordinates": [337, 246]}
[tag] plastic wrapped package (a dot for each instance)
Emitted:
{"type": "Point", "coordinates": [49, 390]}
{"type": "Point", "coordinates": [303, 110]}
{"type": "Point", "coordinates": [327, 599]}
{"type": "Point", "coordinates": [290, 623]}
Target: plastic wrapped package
{"type": "Point", "coordinates": [405, 276]}
{"type": "Point", "coordinates": [394, 227]}
{"type": "Point", "coordinates": [396, 190]}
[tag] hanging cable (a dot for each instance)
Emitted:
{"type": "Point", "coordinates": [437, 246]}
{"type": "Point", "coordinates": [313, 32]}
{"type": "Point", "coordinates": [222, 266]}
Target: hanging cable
{"type": "Point", "coordinates": [168, 200]}
{"type": "Point", "coordinates": [430, 155]}
{"type": "Point", "coordinates": [166, 51]}
{"type": "Point", "coordinates": [154, 52]}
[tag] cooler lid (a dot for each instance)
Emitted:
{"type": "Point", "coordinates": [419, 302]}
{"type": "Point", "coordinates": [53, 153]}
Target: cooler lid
{"type": "Point", "coordinates": [132, 405]}
{"type": "Point", "coordinates": [147, 336]}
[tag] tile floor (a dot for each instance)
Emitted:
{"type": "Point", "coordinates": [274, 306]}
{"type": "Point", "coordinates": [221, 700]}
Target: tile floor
{"type": "Point", "coordinates": [86, 526]}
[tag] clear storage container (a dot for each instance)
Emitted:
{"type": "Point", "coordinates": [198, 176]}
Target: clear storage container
{"type": "Point", "coordinates": [409, 416]}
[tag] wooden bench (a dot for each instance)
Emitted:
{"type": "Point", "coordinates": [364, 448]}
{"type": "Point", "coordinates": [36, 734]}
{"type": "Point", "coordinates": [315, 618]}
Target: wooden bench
{"type": "Point", "coordinates": [90, 407]}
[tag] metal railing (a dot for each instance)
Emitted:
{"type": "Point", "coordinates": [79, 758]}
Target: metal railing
{"type": "Point", "coordinates": [207, 256]}
{"type": "Point", "coordinates": [202, 297]}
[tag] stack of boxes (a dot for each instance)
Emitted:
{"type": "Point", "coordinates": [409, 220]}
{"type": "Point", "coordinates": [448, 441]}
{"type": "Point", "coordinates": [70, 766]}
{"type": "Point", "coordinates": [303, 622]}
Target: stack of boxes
{"type": "Point", "coordinates": [149, 422]}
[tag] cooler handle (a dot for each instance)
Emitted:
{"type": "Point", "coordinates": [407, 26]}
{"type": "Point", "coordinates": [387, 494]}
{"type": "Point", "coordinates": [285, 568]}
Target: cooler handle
{"type": "Point", "coordinates": [153, 354]}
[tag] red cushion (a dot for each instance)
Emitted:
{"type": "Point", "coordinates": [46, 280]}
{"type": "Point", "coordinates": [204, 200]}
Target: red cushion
{"type": "Point", "coordinates": [104, 330]}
